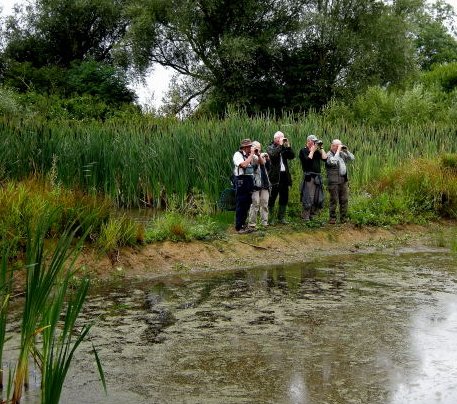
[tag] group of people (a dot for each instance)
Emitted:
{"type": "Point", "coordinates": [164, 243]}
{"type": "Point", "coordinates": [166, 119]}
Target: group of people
{"type": "Point", "coordinates": [260, 178]}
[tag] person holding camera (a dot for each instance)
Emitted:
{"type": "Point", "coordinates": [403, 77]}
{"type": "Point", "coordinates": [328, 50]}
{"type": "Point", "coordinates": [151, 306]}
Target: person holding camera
{"type": "Point", "coordinates": [312, 189]}
{"type": "Point", "coordinates": [261, 193]}
{"type": "Point", "coordinates": [243, 161]}
{"type": "Point", "coordinates": [337, 179]}
{"type": "Point", "coordinates": [280, 152]}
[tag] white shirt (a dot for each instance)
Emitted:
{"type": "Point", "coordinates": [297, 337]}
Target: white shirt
{"type": "Point", "coordinates": [238, 158]}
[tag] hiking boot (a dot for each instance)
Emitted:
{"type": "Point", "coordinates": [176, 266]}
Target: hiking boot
{"type": "Point", "coordinates": [305, 215]}
{"type": "Point", "coordinates": [246, 230]}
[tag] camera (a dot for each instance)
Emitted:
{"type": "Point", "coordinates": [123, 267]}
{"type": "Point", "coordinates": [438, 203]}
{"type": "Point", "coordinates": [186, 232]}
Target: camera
{"type": "Point", "coordinates": [318, 143]}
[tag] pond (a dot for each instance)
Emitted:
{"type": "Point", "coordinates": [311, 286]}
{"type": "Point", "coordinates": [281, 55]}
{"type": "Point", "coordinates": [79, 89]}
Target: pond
{"type": "Point", "coordinates": [358, 328]}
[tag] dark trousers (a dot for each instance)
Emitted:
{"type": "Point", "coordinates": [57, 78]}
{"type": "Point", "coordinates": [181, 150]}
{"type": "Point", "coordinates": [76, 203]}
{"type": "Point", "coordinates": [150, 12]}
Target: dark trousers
{"type": "Point", "coordinates": [281, 189]}
{"type": "Point", "coordinates": [339, 195]}
{"type": "Point", "coordinates": [243, 199]}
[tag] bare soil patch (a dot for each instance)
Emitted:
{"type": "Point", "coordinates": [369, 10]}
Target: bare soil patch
{"type": "Point", "coordinates": [279, 245]}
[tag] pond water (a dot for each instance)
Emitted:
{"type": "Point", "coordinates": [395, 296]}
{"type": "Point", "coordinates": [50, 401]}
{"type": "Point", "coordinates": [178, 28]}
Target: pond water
{"type": "Point", "coordinates": [360, 328]}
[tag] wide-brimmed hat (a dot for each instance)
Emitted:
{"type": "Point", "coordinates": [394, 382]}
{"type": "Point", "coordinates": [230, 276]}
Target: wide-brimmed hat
{"type": "Point", "coordinates": [312, 137]}
{"type": "Point", "coordinates": [245, 143]}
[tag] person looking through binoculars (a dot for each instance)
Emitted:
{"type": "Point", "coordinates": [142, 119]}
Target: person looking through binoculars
{"type": "Point", "coordinates": [337, 179]}
{"type": "Point", "coordinates": [280, 152]}
{"type": "Point", "coordinates": [261, 193]}
{"type": "Point", "coordinates": [312, 189]}
{"type": "Point", "coordinates": [243, 161]}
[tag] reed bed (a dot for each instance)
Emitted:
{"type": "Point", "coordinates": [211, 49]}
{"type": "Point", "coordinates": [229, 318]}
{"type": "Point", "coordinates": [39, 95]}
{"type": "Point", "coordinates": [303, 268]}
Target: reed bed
{"type": "Point", "coordinates": [153, 162]}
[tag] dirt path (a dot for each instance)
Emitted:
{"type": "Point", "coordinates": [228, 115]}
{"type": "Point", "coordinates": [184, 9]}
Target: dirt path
{"type": "Point", "coordinates": [276, 246]}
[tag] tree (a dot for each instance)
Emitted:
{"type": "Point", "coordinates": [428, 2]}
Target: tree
{"type": "Point", "coordinates": [262, 55]}
{"type": "Point", "coordinates": [435, 40]}
{"type": "Point", "coordinates": [47, 45]}
{"type": "Point", "coordinates": [225, 49]}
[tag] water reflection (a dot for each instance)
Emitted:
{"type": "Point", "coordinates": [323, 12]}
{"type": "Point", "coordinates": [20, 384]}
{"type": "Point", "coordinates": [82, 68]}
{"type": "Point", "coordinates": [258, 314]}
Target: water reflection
{"type": "Point", "coordinates": [362, 329]}
{"type": "Point", "coordinates": [433, 342]}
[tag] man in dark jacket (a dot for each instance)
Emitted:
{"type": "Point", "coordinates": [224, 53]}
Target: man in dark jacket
{"type": "Point", "coordinates": [280, 152]}
{"type": "Point", "coordinates": [337, 179]}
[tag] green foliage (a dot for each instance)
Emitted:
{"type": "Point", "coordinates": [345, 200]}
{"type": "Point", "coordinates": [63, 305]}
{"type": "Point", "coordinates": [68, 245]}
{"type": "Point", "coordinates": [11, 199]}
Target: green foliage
{"type": "Point", "coordinates": [71, 92]}
{"type": "Point", "coordinates": [58, 32]}
{"type": "Point", "coordinates": [177, 227]}
{"type": "Point", "coordinates": [26, 202]}
{"type": "Point", "coordinates": [433, 41]}
{"type": "Point", "coordinates": [6, 289]}
{"type": "Point", "coordinates": [47, 297]}
{"type": "Point", "coordinates": [66, 48]}
{"type": "Point", "coordinates": [273, 56]}
{"type": "Point", "coordinates": [60, 338]}
{"type": "Point", "coordinates": [184, 166]}
{"type": "Point", "coordinates": [444, 77]}
{"type": "Point", "coordinates": [117, 232]}
{"type": "Point", "coordinates": [386, 209]}
{"type": "Point", "coordinates": [8, 102]}
{"type": "Point", "coordinates": [410, 193]}
{"type": "Point", "coordinates": [430, 99]}
{"type": "Point", "coordinates": [100, 80]}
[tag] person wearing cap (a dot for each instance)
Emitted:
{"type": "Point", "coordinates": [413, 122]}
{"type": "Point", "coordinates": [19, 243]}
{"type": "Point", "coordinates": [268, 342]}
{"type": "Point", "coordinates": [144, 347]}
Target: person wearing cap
{"type": "Point", "coordinates": [312, 189]}
{"type": "Point", "coordinates": [280, 152]}
{"type": "Point", "coordinates": [244, 183]}
{"type": "Point", "coordinates": [261, 193]}
{"type": "Point", "coordinates": [337, 179]}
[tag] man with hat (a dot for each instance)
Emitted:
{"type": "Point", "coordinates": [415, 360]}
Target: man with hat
{"type": "Point", "coordinates": [312, 188]}
{"type": "Point", "coordinates": [244, 183]}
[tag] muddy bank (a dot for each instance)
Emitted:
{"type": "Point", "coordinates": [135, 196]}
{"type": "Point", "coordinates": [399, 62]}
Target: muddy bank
{"type": "Point", "coordinates": [278, 245]}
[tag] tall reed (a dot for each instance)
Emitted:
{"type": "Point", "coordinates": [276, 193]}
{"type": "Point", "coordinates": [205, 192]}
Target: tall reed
{"type": "Point", "coordinates": [46, 286]}
{"type": "Point", "coordinates": [6, 288]}
{"type": "Point", "coordinates": [145, 163]}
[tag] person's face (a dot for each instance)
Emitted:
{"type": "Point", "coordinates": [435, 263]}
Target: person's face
{"type": "Point", "coordinates": [279, 139]}
{"type": "Point", "coordinates": [334, 147]}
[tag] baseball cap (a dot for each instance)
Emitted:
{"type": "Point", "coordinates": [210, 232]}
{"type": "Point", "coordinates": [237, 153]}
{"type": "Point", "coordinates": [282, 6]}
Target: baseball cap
{"type": "Point", "coordinates": [312, 137]}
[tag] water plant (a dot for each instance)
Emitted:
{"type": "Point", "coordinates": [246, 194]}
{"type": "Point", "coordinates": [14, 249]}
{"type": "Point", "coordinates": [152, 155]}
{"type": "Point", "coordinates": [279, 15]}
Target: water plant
{"type": "Point", "coordinates": [6, 288]}
{"type": "Point", "coordinates": [46, 292]}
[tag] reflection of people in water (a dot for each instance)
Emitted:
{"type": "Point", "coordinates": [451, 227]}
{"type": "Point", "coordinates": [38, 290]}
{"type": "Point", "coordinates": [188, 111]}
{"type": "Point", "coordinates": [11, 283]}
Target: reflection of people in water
{"type": "Point", "coordinates": [276, 278]}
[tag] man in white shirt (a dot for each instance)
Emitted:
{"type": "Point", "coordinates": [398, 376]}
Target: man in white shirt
{"type": "Point", "coordinates": [280, 152]}
{"type": "Point", "coordinates": [244, 183]}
